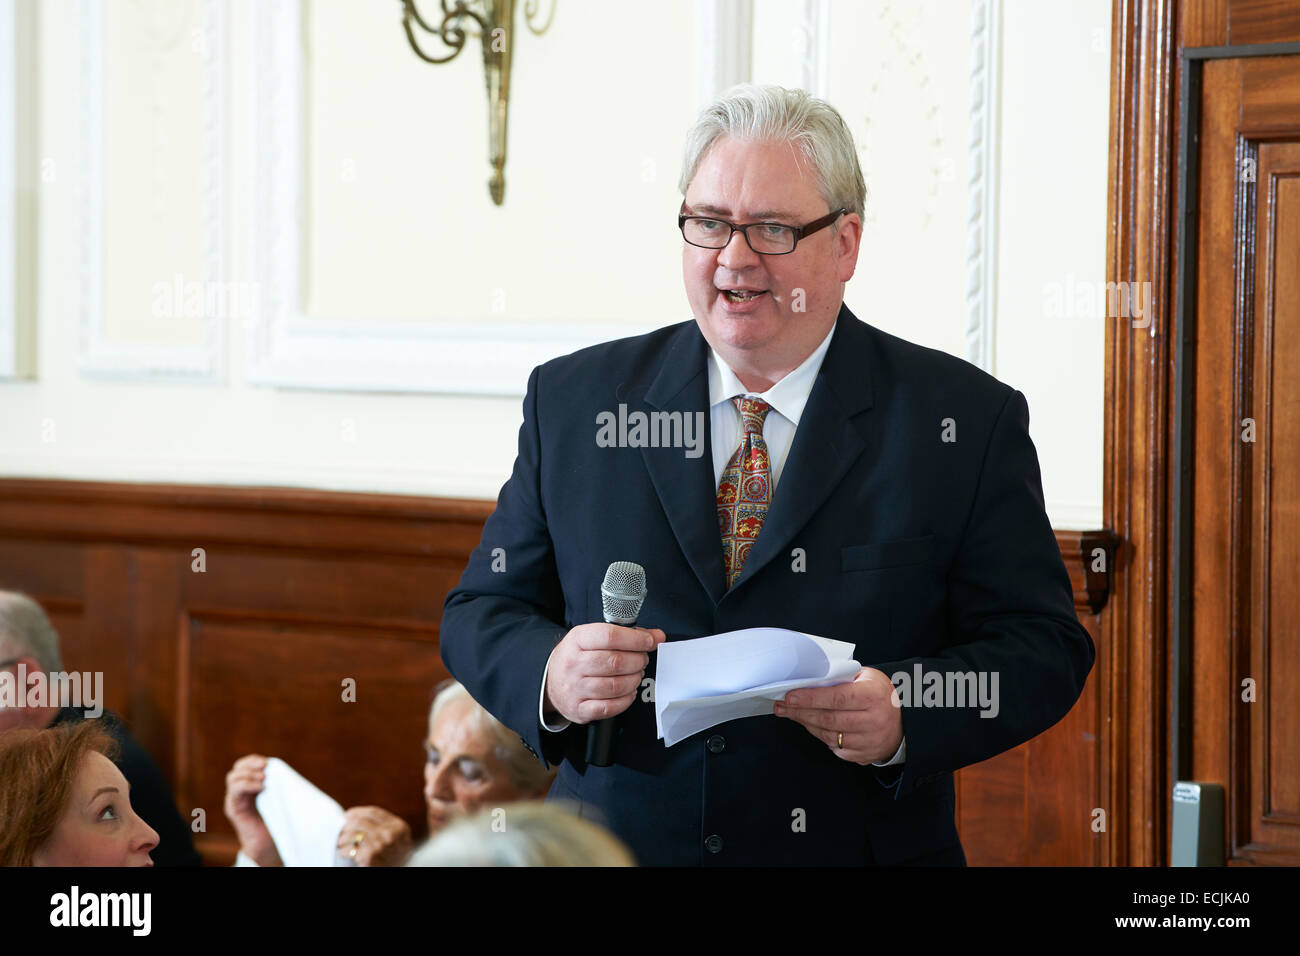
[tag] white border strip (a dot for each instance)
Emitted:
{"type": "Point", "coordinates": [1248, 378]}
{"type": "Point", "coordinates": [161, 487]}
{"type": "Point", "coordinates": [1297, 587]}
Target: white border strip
{"type": "Point", "coordinates": [982, 201]}
{"type": "Point", "coordinates": [723, 47]}
{"type": "Point", "coordinates": [1074, 515]}
{"type": "Point", "coordinates": [815, 33]}
{"type": "Point", "coordinates": [97, 357]}
{"type": "Point", "coordinates": [8, 189]}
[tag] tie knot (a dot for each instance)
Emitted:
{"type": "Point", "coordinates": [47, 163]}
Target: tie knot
{"type": "Point", "coordinates": [753, 411]}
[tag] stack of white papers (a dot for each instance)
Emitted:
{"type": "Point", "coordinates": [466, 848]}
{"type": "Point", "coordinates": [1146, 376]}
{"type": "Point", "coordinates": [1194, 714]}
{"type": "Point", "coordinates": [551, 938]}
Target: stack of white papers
{"type": "Point", "coordinates": [709, 680]}
{"type": "Point", "coordinates": [303, 821]}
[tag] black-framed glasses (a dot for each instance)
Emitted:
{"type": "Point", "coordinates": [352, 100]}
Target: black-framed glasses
{"type": "Point", "coordinates": [765, 238]}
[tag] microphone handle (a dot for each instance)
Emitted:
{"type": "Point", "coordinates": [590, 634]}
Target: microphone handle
{"type": "Point", "coordinates": [600, 742]}
{"type": "Point", "coordinates": [600, 733]}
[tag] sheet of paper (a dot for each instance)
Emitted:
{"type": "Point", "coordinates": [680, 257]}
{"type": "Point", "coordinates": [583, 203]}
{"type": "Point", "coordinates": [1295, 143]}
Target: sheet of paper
{"type": "Point", "coordinates": [303, 821]}
{"type": "Point", "coordinates": [709, 680]}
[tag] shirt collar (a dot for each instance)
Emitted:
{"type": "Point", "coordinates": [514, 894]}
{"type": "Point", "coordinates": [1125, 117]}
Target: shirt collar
{"type": "Point", "coordinates": [787, 397]}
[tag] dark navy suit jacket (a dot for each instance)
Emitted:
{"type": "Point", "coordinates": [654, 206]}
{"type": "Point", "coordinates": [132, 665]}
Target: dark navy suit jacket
{"type": "Point", "coordinates": [915, 548]}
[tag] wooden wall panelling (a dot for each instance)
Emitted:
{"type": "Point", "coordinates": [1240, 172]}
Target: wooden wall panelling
{"type": "Point", "coordinates": [1237, 22]}
{"type": "Point", "coordinates": [1203, 23]}
{"type": "Point", "coordinates": [252, 684]}
{"type": "Point", "coordinates": [53, 573]}
{"type": "Point", "coordinates": [301, 589]}
{"type": "Point", "coordinates": [1033, 805]}
{"type": "Point", "coordinates": [105, 641]}
{"type": "Point", "coordinates": [1263, 21]}
{"type": "Point", "coordinates": [299, 586]}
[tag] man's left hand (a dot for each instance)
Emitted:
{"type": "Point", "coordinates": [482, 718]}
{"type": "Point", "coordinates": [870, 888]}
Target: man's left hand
{"type": "Point", "coordinates": [861, 710]}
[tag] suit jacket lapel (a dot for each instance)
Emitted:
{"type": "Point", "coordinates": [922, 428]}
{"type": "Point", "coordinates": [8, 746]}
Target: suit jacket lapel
{"type": "Point", "coordinates": [686, 486]}
{"type": "Point", "coordinates": [826, 443]}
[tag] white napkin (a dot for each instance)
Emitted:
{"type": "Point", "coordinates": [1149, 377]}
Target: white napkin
{"type": "Point", "coordinates": [303, 821]}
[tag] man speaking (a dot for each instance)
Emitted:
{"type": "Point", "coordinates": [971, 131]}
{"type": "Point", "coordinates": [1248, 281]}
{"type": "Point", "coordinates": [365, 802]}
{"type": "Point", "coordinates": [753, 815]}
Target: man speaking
{"type": "Point", "coordinates": [851, 485]}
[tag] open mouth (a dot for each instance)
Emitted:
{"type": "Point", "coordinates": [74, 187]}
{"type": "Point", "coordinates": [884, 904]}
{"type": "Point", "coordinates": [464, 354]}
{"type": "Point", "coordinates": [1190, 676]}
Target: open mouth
{"type": "Point", "coordinates": [742, 295]}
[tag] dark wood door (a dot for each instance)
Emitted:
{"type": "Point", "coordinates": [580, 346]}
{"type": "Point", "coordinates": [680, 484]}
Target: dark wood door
{"type": "Point", "coordinates": [1242, 706]}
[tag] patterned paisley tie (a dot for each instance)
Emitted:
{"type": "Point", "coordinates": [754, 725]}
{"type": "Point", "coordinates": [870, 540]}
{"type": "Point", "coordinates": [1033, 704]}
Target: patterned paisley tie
{"type": "Point", "coordinates": [745, 490]}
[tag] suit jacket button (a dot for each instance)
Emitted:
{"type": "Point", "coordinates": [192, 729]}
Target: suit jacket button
{"type": "Point", "coordinates": [713, 844]}
{"type": "Point", "coordinates": [716, 744]}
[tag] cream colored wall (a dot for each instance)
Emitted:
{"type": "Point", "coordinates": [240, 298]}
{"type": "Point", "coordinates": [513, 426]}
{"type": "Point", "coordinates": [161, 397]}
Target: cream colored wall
{"type": "Point", "coordinates": [900, 74]}
{"type": "Point", "coordinates": [398, 224]}
{"type": "Point", "coordinates": [897, 72]}
{"type": "Point", "coordinates": [1052, 226]}
{"type": "Point", "coordinates": [402, 226]}
{"type": "Point", "coordinates": [153, 163]}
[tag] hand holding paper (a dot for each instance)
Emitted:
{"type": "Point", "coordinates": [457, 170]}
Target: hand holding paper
{"type": "Point", "coordinates": [709, 680]}
{"type": "Point", "coordinates": [861, 721]}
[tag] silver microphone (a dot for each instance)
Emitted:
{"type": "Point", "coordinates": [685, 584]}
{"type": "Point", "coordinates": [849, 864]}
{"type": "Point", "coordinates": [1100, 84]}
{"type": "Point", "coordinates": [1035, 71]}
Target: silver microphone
{"type": "Point", "coordinates": [621, 595]}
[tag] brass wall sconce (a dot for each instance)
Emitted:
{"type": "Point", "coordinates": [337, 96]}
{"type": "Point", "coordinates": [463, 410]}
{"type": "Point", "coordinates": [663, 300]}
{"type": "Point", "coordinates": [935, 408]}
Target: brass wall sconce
{"type": "Point", "coordinates": [495, 20]}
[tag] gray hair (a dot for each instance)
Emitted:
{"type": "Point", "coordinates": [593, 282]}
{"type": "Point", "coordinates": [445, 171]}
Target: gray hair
{"type": "Point", "coordinates": [530, 833]}
{"type": "Point", "coordinates": [774, 114]}
{"type": "Point", "coordinates": [26, 631]}
{"type": "Point", "coordinates": [529, 775]}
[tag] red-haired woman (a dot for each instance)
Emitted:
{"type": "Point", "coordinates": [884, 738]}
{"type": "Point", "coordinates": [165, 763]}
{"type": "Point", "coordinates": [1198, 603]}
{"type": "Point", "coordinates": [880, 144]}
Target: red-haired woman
{"type": "Point", "coordinates": [63, 801]}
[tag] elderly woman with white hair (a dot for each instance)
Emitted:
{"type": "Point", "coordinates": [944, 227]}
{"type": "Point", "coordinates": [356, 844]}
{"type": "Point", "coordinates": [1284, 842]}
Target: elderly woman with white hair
{"type": "Point", "coordinates": [471, 760]}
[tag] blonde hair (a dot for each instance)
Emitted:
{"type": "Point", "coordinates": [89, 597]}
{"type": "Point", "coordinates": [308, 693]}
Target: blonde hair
{"type": "Point", "coordinates": [529, 833]}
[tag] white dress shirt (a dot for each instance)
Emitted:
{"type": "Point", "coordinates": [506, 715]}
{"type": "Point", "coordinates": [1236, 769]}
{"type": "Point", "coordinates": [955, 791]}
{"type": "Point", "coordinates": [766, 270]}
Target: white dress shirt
{"type": "Point", "coordinates": [787, 399]}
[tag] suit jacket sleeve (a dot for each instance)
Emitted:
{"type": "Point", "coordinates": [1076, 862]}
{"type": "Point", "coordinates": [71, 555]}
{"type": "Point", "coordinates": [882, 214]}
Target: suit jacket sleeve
{"type": "Point", "coordinates": [1010, 613]}
{"type": "Point", "coordinates": [500, 626]}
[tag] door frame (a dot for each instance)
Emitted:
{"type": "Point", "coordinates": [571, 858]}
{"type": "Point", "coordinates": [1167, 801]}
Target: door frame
{"type": "Point", "coordinates": [1149, 420]}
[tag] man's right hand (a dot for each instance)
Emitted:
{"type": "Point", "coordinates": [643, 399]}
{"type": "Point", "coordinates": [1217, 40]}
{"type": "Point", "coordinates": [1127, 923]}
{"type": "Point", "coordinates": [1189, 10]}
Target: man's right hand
{"type": "Point", "coordinates": [596, 670]}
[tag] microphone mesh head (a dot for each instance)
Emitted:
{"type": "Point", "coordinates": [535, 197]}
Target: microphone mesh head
{"type": "Point", "coordinates": [623, 592]}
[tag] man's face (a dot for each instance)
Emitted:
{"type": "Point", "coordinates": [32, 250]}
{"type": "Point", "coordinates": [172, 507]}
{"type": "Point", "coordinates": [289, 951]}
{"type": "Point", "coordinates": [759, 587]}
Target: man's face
{"type": "Point", "coordinates": [98, 826]}
{"type": "Point", "coordinates": [746, 182]}
{"type": "Point", "coordinates": [463, 772]}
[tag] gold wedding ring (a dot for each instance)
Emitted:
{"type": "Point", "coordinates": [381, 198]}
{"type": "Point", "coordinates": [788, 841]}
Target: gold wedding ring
{"type": "Point", "coordinates": [840, 744]}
